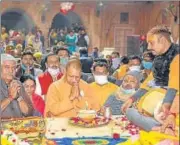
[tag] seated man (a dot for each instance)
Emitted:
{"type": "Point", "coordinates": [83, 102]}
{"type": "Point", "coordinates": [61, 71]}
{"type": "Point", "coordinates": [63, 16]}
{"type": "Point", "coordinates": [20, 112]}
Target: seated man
{"type": "Point", "coordinates": [27, 65]}
{"type": "Point", "coordinates": [165, 74]}
{"type": "Point", "coordinates": [135, 65]}
{"type": "Point", "coordinates": [51, 75]}
{"type": "Point", "coordinates": [14, 102]}
{"type": "Point", "coordinates": [130, 84]}
{"type": "Point", "coordinates": [147, 63]}
{"type": "Point", "coordinates": [167, 134]}
{"type": "Point", "coordinates": [68, 95]}
{"type": "Point", "coordinates": [102, 87]}
{"type": "Point", "coordinates": [91, 79]}
{"type": "Point", "coordinates": [120, 73]}
{"type": "Point", "coordinates": [64, 55]}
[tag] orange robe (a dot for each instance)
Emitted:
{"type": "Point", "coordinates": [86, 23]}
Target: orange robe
{"type": "Point", "coordinates": [58, 103]}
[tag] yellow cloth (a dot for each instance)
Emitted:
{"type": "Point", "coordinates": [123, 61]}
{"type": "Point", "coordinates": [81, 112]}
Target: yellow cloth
{"type": "Point", "coordinates": [54, 35]}
{"type": "Point", "coordinates": [146, 105]}
{"type": "Point", "coordinates": [174, 74]}
{"type": "Point", "coordinates": [4, 36]}
{"type": "Point", "coordinates": [121, 72]}
{"type": "Point", "coordinates": [103, 92]}
{"type": "Point", "coordinates": [59, 104]}
{"type": "Point", "coordinates": [150, 138]}
{"type": "Point", "coordinates": [4, 141]}
{"type": "Point", "coordinates": [177, 125]}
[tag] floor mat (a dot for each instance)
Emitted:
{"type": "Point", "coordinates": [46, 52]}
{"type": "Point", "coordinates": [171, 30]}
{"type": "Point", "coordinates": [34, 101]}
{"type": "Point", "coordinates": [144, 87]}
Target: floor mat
{"type": "Point", "coordinates": [89, 141]}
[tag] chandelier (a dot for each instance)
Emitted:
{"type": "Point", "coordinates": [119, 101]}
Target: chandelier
{"type": "Point", "coordinates": [65, 7]}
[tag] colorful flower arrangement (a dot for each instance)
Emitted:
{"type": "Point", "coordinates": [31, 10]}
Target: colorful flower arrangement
{"type": "Point", "coordinates": [10, 138]}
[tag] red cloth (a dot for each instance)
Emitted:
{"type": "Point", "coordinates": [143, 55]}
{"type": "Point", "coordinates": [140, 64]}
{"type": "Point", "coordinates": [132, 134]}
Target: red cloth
{"type": "Point", "coordinates": [46, 80]}
{"type": "Point", "coordinates": [38, 103]}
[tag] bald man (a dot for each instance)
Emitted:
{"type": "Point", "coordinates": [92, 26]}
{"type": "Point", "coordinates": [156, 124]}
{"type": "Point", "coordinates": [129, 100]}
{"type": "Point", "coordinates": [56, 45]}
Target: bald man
{"type": "Point", "coordinates": [70, 94]}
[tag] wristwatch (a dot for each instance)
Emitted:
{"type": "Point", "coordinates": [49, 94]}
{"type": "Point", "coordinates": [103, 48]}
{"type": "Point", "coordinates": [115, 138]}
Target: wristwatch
{"type": "Point", "coordinates": [19, 99]}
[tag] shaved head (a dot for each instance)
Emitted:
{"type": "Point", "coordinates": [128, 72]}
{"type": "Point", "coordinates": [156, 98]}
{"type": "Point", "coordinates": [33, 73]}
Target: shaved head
{"type": "Point", "coordinates": [74, 63]}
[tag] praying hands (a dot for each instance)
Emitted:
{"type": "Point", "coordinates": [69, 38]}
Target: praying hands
{"type": "Point", "coordinates": [75, 92]}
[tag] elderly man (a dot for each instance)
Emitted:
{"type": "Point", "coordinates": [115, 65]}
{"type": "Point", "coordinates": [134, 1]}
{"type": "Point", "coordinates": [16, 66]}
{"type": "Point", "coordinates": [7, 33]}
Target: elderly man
{"type": "Point", "coordinates": [130, 83]}
{"type": "Point", "coordinates": [27, 65]}
{"type": "Point", "coordinates": [165, 74]}
{"type": "Point", "coordinates": [51, 75]}
{"type": "Point", "coordinates": [102, 86]}
{"type": "Point", "coordinates": [69, 94]}
{"type": "Point", "coordinates": [13, 100]}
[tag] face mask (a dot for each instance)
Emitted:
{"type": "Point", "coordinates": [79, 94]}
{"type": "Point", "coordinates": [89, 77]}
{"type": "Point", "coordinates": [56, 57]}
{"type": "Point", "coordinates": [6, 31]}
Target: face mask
{"type": "Point", "coordinates": [101, 80]}
{"type": "Point", "coordinates": [147, 65]}
{"type": "Point", "coordinates": [127, 91]}
{"type": "Point", "coordinates": [25, 67]}
{"type": "Point", "coordinates": [115, 62]}
{"type": "Point", "coordinates": [53, 72]}
{"type": "Point", "coordinates": [134, 68]}
{"type": "Point", "coordinates": [64, 61]}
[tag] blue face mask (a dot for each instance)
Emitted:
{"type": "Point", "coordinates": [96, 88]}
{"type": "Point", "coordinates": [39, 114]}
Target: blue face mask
{"type": "Point", "coordinates": [127, 91]}
{"type": "Point", "coordinates": [23, 67]}
{"type": "Point", "coordinates": [147, 65]}
{"type": "Point", "coordinates": [64, 61]}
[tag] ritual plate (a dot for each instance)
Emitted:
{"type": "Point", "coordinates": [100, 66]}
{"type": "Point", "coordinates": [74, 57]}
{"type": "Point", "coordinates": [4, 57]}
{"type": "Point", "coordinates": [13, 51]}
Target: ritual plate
{"type": "Point", "coordinates": [30, 127]}
{"type": "Point", "coordinates": [96, 122]}
{"type": "Point", "coordinates": [90, 142]}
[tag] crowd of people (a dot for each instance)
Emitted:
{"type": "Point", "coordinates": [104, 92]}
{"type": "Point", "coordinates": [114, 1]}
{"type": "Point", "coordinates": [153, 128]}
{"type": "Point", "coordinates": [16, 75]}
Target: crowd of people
{"type": "Point", "coordinates": [74, 38]}
{"type": "Point", "coordinates": [145, 88]}
{"type": "Point", "coordinates": [15, 41]}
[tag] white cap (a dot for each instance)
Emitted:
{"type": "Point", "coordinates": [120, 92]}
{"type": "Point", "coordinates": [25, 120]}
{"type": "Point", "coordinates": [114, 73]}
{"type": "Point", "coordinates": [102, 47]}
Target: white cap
{"type": "Point", "coordinates": [5, 57]}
